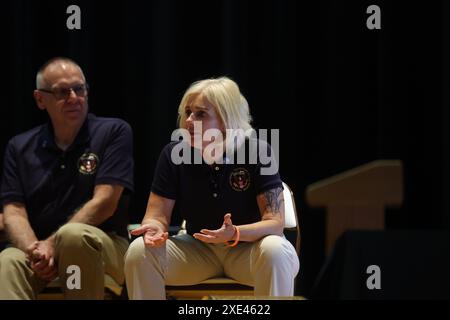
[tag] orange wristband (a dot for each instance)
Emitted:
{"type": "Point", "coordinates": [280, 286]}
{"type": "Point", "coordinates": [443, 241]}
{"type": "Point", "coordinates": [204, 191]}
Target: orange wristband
{"type": "Point", "coordinates": [238, 235]}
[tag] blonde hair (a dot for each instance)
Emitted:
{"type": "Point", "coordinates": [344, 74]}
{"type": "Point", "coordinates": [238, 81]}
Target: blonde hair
{"type": "Point", "coordinates": [224, 94]}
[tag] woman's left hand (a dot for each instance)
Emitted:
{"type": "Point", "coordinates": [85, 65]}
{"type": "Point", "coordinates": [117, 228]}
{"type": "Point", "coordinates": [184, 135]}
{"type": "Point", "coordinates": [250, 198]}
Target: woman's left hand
{"type": "Point", "coordinates": [225, 233]}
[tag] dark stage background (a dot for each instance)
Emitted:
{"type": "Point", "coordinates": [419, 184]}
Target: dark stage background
{"type": "Point", "coordinates": [341, 95]}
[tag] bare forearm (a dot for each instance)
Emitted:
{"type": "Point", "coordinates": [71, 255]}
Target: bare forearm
{"type": "Point", "coordinates": [19, 231]}
{"type": "Point", "coordinates": [101, 206]}
{"type": "Point", "coordinates": [94, 212]}
{"type": "Point", "coordinates": [157, 221]}
{"type": "Point", "coordinates": [271, 206]}
{"type": "Point", "coordinates": [159, 211]}
{"type": "Point", "coordinates": [255, 231]}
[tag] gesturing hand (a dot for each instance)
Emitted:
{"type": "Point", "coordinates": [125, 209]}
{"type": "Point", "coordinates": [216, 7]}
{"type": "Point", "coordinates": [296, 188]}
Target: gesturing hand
{"type": "Point", "coordinates": [225, 233]}
{"type": "Point", "coordinates": [154, 235]}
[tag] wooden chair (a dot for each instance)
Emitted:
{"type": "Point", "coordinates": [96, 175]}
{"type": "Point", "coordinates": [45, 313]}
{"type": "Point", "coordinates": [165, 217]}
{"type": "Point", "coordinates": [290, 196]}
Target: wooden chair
{"type": "Point", "coordinates": [113, 290]}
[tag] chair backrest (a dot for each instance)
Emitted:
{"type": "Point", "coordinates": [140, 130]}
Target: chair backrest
{"type": "Point", "coordinates": [290, 215]}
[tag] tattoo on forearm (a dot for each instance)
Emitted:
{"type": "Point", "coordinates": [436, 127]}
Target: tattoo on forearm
{"type": "Point", "coordinates": [274, 201]}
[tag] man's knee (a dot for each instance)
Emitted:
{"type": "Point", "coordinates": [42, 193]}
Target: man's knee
{"type": "Point", "coordinates": [77, 235]}
{"type": "Point", "coordinates": [13, 258]}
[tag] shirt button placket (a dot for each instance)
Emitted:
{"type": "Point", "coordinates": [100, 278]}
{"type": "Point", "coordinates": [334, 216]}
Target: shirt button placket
{"type": "Point", "coordinates": [215, 185]}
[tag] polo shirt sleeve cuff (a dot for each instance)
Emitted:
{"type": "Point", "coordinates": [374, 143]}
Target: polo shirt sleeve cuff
{"type": "Point", "coordinates": [164, 194]}
{"type": "Point", "coordinates": [115, 181]}
{"type": "Point", "coordinates": [9, 198]}
{"type": "Point", "coordinates": [270, 186]}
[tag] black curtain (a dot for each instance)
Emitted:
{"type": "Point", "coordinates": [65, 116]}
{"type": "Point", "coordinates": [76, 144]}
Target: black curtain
{"type": "Point", "coordinates": [341, 95]}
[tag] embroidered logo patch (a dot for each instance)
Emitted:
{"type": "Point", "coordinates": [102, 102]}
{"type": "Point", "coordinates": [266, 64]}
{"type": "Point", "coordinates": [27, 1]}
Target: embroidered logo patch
{"type": "Point", "coordinates": [240, 179]}
{"type": "Point", "coordinates": [87, 164]}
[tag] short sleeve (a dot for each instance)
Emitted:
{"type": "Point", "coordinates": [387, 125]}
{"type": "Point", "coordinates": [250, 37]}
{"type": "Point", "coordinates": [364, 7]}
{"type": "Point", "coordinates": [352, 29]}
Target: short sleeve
{"type": "Point", "coordinates": [165, 180]}
{"type": "Point", "coordinates": [267, 172]}
{"type": "Point", "coordinates": [117, 165]}
{"type": "Point", "coordinates": [11, 188]}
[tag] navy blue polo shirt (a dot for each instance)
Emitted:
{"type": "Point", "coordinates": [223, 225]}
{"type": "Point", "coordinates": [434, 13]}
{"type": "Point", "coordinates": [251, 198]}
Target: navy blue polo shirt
{"type": "Point", "coordinates": [53, 184]}
{"type": "Point", "coordinates": [205, 193]}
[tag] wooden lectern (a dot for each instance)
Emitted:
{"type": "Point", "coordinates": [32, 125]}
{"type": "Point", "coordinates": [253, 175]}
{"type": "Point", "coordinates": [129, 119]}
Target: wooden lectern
{"type": "Point", "coordinates": [356, 199]}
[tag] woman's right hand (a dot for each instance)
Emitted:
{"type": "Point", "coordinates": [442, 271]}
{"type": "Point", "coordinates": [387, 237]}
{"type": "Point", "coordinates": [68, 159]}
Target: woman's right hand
{"type": "Point", "coordinates": [153, 234]}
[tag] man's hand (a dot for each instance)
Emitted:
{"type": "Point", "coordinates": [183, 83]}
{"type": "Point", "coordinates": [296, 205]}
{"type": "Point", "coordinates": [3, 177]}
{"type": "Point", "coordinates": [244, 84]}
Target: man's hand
{"type": "Point", "coordinates": [41, 256]}
{"type": "Point", "coordinates": [154, 235]}
{"type": "Point", "coordinates": [225, 233]}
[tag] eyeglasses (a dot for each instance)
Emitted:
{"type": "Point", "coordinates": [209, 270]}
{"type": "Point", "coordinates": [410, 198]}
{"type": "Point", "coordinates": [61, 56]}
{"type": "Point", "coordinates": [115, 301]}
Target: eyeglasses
{"type": "Point", "coordinates": [63, 93]}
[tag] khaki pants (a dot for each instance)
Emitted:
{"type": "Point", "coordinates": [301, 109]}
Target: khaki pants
{"type": "Point", "coordinates": [85, 246]}
{"type": "Point", "coordinates": [270, 265]}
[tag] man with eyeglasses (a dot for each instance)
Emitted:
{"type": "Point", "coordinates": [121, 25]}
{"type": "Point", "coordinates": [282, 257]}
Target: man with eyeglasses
{"type": "Point", "coordinates": [65, 188]}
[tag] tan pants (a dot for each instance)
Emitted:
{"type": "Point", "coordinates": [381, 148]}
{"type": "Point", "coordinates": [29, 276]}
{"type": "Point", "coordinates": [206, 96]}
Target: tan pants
{"type": "Point", "coordinates": [270, 265]}
{"type": "Point", "coordinates": [85, 246]}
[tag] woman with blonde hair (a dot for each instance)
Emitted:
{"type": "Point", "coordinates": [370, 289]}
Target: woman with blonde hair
{"type": "Point", "coordinates": [234, 214]}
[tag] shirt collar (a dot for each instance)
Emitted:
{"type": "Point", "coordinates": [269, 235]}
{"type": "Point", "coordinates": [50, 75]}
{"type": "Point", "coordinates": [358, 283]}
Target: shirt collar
{"type": "Point", "coordinates": [47, 139]}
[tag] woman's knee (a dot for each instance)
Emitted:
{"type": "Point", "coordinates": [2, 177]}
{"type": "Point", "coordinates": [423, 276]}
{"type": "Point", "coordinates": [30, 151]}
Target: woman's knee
{"type": "Point", "coordinates": [275, 249]}
{"type": "Point", "coordinates": [138, 253]}
{"type": "Point", "coordinates": [135, 251]}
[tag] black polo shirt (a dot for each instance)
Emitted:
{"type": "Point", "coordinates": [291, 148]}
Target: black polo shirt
{"type": "Point", "coordinates": [205, 193]}
{"type": "Point", "coordinates": [53, 184]}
